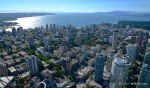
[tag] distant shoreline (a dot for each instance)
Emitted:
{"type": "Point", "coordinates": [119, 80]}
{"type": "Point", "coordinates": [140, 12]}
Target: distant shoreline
{"type": "Point", "coordinates": [14, 16]}
{"type": "Point", "coordinates": [6, 18]}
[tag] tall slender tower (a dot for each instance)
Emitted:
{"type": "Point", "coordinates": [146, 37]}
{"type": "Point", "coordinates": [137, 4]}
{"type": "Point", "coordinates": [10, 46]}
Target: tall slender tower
{"type": "Point", "coordinates": [67, 64]}
{"type": "Point", "coordinates": [41, 39]}
{"type": "Point", "coordinates": [99, 66]}
{"type": "Point", "coordinates": [119, 72]}
{"type": "Point", "coordinates": [31, 42]}
{"type": "Point", "coordinates": [46, 26]}
{"type": "Point", "coordinates": [20, 33]}
{"type": "Point", "coordinates": [140, 39]}
{"type": "Point", "coordinates": [109, 61]}
{"type": "Point", "coordinates": [131, 52]}
{"type": "Point", "coordinates": [33, 66]}
{"type": "Point", "coordinates": [14, 32]}
{"type": "Point", "coordinates": [115, 40]}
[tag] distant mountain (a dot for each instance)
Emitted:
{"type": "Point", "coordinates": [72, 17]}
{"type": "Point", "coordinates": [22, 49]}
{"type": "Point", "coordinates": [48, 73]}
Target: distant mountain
{"type": "Point", "coordinates": [123, 12]}
{"type": "Point", "coordinates": [127, 13]}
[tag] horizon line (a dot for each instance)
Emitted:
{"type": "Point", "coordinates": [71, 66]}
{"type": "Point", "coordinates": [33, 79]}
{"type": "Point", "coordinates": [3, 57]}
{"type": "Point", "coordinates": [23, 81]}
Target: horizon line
{"type": "Point", "coordinates": [18, 11]}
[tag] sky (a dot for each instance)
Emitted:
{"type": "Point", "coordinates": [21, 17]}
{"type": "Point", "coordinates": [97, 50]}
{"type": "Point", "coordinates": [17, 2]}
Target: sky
{"type": "Point", "coordinates": [74, 5]}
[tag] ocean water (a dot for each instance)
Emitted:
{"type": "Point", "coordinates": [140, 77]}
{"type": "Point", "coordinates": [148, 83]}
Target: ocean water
{"type": "Point", "coordinates": [75, 19]}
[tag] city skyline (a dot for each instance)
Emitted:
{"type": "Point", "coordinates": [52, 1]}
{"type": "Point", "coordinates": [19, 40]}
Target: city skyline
{"type": "Point", "coordinates": [75, 44]}
{"type": "Point", "coordinates": [74, 6]}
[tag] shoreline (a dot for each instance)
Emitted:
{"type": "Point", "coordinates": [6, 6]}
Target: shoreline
{"type": "Point", "coordinates": [8, 23]}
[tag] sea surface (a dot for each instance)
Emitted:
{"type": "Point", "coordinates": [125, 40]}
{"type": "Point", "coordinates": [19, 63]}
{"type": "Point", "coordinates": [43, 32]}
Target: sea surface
{"type": "Point", "coordinates": [75, 19]}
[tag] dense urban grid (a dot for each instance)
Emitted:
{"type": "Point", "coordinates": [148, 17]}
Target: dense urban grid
{"type": "Point", "coordinates": [94, 56]}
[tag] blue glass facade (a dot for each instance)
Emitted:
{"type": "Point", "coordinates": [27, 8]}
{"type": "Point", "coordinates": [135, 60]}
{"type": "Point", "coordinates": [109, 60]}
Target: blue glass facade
{"type": "Point", "coordinates": [99, 66]}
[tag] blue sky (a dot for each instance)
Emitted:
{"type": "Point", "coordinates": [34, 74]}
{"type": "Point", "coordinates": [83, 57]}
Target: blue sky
{"type": "Point", "coordinates": [75, 5]}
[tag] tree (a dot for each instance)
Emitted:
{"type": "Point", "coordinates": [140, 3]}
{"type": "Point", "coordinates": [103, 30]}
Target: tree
{"type": "Point", "coordinates": [130, 72]}
{"type": "Point", "coordinates": [59, 70]}
{"type": "Point", "coordinates": [51, 65]}
{"type": "Point", "coordinates": [45, 59]}
{"type": "Point", "coordinates": [134, 66]}
{"type": "Point", "coordinates": [91, 76]}
{"type": "Point", "coordinates": [27, 48]}
{"type": "Point", "coordinates": [136, 79]}
{"type": "Point", "coordinates": [57, 67]}
{"type": "Point", "coordinates": [20, 85]}
{"type": "Point", "coordinates": [70, 78]}
{"type": "Point", "coordinates": [40, 57]}
{"type": "Point", "coordinates": [89, 86]}
{"type": "Point", "coordinates": [31, 52]}
{"type": "Point", "coordinates": [124, 86]}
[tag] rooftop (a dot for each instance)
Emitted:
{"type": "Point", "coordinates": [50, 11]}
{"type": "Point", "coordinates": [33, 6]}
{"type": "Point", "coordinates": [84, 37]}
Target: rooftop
{"type": "Point", "coordinates": [4, 81]}
{"type": "Point", "coordinates": [8, 57]}
{"type": "Point", "coordinates": [85, 71]}
{"type": "Point", "coordinates": [148, 40]}
{"type": "Point", "coordinates": [120, 61]}
{"type": "Point", "coordinates": [146, 67]}
{"type": "Point", "coordinates": [12, 69]}
{"type": "Point", "coordinates": [22, 53]}
{"type": "Point", "coordinates": [95, 84]}
{"type": "Point", "coordinates": [24, 74]}
{"type": "Point", "coordinates": [45, 64]}
{"type": "Point", "coordinates": [74, 61]}
{"type": "Point", "coordinates": [2, 63]}
{"type": "Point", "coordinates": [47, 71]}
{"type": "Point", "coordinates": [62, 84]}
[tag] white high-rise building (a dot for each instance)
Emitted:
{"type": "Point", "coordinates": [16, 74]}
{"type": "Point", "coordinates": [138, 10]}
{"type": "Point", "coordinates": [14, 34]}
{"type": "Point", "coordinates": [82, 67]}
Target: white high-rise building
{"type": "Point", "coordinates": [3, 69]}
{"type": "Point", "coordinates": [115, 40]}
{"type": "Point", "coordinates": [119, 73]}
{"type": "Point", "coordinates": [33, 65]}
{"type": "Point", "coordinates": [131, 52]}
{"type": "Point", "coordinates": [127, 27]}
